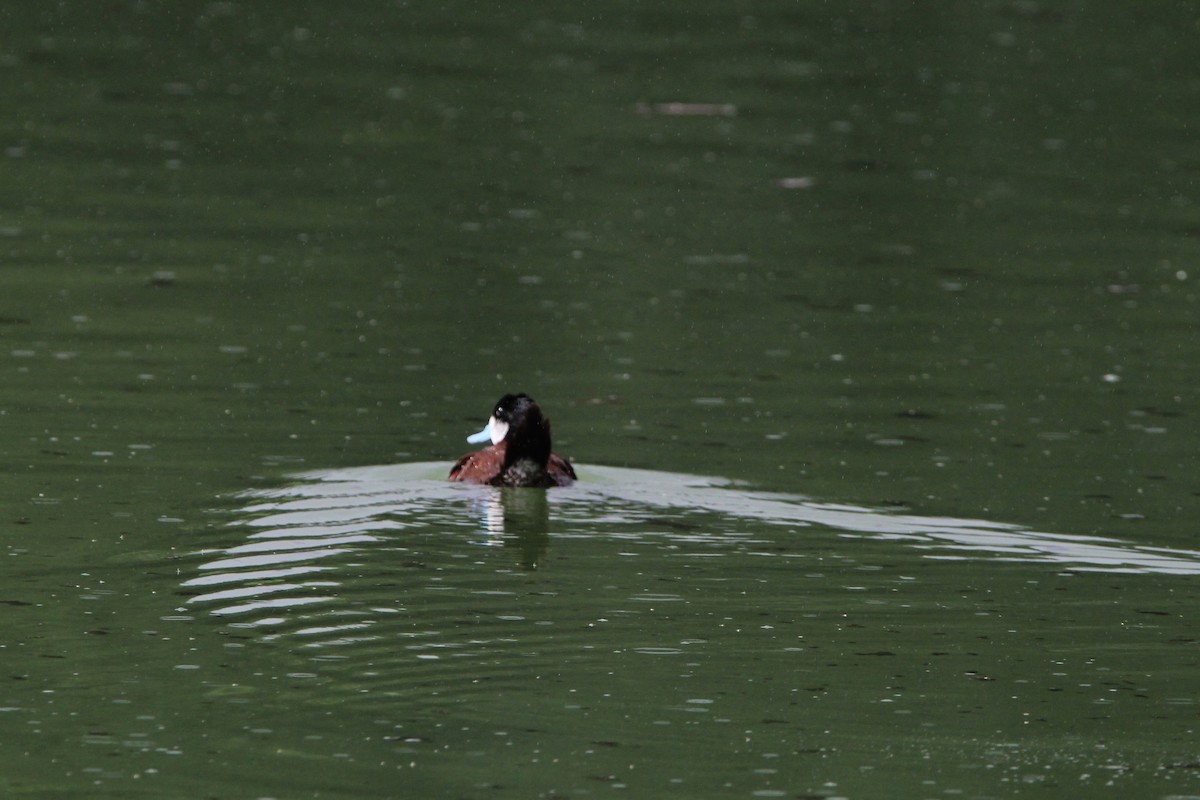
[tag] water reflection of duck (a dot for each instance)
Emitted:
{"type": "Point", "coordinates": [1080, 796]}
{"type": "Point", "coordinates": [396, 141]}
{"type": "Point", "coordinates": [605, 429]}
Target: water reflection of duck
{"type": "Point", "coordinates": [520, 451]}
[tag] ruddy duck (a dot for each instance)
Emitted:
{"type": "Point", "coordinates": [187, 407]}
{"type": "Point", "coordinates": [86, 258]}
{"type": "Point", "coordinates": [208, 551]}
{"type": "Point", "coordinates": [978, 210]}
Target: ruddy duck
{"type": "Point", "coordinates": [520, 451]}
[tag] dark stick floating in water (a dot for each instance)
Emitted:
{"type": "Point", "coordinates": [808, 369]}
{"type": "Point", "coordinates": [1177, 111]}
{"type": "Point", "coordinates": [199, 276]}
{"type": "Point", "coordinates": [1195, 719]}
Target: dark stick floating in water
{"type": "Point", "coordinates": [520, 451]}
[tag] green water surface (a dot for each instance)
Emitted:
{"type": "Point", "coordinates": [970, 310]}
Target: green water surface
{"type": "Point", "coordinates": [927, 258]}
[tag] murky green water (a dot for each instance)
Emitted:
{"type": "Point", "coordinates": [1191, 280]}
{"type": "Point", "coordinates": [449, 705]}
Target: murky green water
{"type": "Point", "coordinates": [920, 281]}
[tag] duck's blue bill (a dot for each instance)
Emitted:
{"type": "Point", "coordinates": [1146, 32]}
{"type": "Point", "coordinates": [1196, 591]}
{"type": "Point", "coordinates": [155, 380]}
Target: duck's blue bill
{"type": "Point", "coordinates": [484, 435]}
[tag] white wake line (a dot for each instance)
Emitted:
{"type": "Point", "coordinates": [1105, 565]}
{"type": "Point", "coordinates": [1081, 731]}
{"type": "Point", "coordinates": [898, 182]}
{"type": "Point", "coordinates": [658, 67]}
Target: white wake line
{"type": "Point", "coordinates": [362, 497]}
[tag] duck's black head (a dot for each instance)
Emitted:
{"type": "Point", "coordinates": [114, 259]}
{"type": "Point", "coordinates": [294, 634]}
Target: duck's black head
{"type": "Point", "coordinates": [518, 422]}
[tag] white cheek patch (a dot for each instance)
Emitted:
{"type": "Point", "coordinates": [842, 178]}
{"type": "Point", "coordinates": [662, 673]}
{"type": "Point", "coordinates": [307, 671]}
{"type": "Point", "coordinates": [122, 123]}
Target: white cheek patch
{"type": "Point", "coordinates": [499, 430]}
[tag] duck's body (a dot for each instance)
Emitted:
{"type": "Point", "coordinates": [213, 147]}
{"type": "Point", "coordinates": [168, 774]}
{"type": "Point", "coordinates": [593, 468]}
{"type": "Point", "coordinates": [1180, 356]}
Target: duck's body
{"type": "Point", "coordinates": [520, 451]}
{"type": "Point", "coordinates": [488, 466]}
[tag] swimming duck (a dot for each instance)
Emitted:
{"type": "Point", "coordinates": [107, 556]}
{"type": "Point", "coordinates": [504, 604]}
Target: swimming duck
{"type": "Point", "coordinates": [520, 451]}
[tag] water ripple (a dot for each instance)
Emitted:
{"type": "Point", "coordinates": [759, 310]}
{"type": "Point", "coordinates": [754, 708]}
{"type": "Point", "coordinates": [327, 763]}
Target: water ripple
{"type": "Point", "coordinates": [306, 560]}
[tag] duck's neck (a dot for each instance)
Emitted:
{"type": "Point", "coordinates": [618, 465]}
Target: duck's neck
{"type": "Point", "coordinates": [528, 443]}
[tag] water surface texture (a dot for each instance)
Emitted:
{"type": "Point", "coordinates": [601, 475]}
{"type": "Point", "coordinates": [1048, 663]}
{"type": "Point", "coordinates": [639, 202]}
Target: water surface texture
{"type": "Point", "coordinates": [915, 286]}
